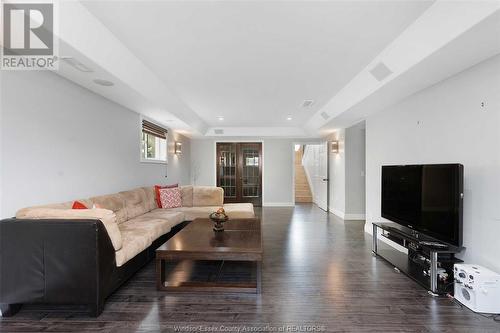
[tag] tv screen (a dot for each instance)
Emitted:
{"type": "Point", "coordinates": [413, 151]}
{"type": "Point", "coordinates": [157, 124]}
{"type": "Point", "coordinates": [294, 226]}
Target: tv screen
{"type": "Point", "coordinates": [426, 198]}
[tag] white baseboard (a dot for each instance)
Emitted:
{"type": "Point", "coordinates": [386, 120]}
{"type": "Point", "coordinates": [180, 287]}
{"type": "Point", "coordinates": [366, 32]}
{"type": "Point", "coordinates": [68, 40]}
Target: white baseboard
{"type": "Point", "coordinates": [345, 216]}
{"type": "Point", "coordinates": [337, 212]}
{"type": "Point", "coordinates": [278, 204]}
{"type": "Point", "coordinates": [355, 217]}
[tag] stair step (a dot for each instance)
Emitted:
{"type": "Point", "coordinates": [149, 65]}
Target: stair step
{"type": "Point", "coordinates": [303, 199]}
{"type": "Point", "coordinates": [303, 193]}
{"type": "Point", "coordinates": [302, 189]}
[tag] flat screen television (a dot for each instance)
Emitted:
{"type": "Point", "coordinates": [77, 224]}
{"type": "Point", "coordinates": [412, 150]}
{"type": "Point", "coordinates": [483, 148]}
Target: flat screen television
{"type": "Point", "coordinates": [427, 198]}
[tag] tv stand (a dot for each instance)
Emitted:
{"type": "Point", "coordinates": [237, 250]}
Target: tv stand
{"type": "Point", "coordinates": [427, 261]}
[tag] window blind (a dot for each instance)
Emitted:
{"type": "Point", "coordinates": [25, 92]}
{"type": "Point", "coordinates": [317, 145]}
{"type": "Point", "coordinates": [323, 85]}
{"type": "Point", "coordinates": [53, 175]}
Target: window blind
{"type": "Point", "coordinates": [153, 129]}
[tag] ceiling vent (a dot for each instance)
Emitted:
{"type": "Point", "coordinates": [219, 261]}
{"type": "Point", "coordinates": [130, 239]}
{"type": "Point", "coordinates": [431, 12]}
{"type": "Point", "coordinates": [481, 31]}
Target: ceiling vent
{"type": "Point", "coordinates": [307, 103]}
{"type": "Point", "coordinates": [381, 71]}
{"type": "Point", "coordinates": [76, 64]}
{"type": "Point", "coordinates": [325, 115]}
{"type": "Point", "coordinates": [219, 131]}
{"type": "Point", "coordinates": [104, 83]}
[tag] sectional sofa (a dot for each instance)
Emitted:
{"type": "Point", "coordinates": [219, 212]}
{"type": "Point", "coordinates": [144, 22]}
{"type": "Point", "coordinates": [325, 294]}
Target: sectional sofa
{"type": "Point", "coordinates": [57, 255]}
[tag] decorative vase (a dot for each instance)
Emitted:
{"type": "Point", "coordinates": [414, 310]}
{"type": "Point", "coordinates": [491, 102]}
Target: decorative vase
{"type": "Point", "coordinates": [218, 218]}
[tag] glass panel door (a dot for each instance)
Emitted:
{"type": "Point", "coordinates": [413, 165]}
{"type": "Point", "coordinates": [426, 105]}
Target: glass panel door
{"type": "Point", "coordinates": [226, 173]}
{"type": "Point", "coordinates": [250, 177]}
{"type": "Point", "coordinates": [239, 171]}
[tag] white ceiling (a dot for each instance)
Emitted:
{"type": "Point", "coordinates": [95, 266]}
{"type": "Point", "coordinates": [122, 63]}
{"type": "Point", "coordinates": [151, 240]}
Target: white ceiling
{"type": "Point", "coordinates": [184, 63]}
{"type": "Point", "coordinates": [255, 62]}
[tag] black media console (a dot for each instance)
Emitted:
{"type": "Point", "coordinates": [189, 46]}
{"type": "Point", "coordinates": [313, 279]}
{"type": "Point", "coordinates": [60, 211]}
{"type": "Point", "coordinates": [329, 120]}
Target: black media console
{"type": "Point", "coordinates": [428, 262]}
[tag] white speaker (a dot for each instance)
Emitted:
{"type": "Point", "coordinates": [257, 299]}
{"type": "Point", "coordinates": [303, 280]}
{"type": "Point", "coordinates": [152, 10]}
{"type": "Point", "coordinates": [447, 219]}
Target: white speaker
{"type": "Point", "coordinates": [477, 288]}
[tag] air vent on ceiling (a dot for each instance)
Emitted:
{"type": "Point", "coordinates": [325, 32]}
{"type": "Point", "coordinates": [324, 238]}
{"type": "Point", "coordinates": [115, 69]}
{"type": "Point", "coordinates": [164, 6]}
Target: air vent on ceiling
{"type": "Point", "coordinates": [325, 115]}
{"type": "Point", "coordinates": [103, 82]}
{"type": "Point", "coordinates": [307, 103]}
{"type": "Point", "coordinates": [381, 71]}
{"type": "Point", "coordinates": [76, 64]}
{"type": "Point", "coordinates": [218, 131]}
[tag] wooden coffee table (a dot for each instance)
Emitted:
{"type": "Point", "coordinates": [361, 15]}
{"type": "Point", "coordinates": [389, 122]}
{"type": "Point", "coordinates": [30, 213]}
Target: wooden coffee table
{"type": "Point", "coordinates": [240, 241]}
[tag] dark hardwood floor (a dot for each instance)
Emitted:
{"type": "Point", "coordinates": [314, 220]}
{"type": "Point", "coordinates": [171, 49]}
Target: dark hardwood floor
{"type": "Point", "coordinates": [318, 271]}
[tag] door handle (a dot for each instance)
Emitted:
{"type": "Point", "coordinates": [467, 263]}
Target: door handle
{"type": "Point", "coordinates": [325, 179]}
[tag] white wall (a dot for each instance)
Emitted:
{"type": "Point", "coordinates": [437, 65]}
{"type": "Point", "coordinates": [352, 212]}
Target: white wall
{"type": "Point", "coordinates": [337, 175]}
{"type": "Point", "coordinates": [278, 179]}
{"type": "Point", "coordinates": [1, 140]}
{"type": "Point", "coordinates": [347, 173]}
{"type": "Point", "coordinates": [203, 162]}
{"type": "Point", "coordinates": [278, 168]}
{"type": "Point", "coordinates": [447, 124]}
{"type": "Point", "coordinates": [355, 171]}
{"type": "Point", "coordinates": [61, 142]}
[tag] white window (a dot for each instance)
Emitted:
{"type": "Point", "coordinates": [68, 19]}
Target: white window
{"type": "Point", "coordinates": [154, 143]}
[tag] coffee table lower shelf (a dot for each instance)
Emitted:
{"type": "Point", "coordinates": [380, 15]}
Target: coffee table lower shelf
{"type": "Point", "coordinates": [206, 286]}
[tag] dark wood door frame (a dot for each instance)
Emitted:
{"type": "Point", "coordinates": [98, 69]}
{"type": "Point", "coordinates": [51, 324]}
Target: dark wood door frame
{"type": "Point", "coordinates": [238, 148]}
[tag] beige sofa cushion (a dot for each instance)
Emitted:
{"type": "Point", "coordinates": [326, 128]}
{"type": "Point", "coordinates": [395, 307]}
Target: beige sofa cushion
{"type": "Point", "coordinates": [187, 195]}
{"type": "Point", "coordinates": [150, 197]}
{"type": "Point", "coordinates": [134, 242]}
{"type": "Point", "coordinates": [140, 232]}
{"type": "Point", "coordinates": [112, 202]}
{"type": "Point", "coordinates": [191, 213]}
{"type": "Point", "coordinates": [161, 213]}
{"type": "Point", "coordinates": [239, 210]}
{"type": "Point", "coordinates": [135, 202]}
{"type": "Point", "coordinates": [107, 217]}
{"type": "Point", "coordinates": [159, 225]}
{"type": "Point", "coordinates": [208, 196]}
{"type": "Point", "coordinates": [62, 205]}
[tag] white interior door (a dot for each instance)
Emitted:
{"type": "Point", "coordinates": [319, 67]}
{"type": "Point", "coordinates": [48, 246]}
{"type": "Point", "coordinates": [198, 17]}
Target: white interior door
{"type": "Point", "coordinates": [321, 177]}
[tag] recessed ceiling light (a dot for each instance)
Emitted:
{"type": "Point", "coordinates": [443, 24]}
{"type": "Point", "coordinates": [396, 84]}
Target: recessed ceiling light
{"type": "Point", "coordinates": [307, 103]}
{"type": "Point", "coordinates": [289, 118]}
{"type": "Point", "coordinates": [104, 83]}
{"type": "Point", "coordinates": [220, 118]}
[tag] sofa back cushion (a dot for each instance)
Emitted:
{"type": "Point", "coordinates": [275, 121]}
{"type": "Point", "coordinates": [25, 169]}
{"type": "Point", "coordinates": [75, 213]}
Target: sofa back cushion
{"type": "Point", "coordinates": [113, 202]}
{"type": "Point", "coordinates": [61, 205]}
{"type": "Point", "coordinates": [107, 217]}
{"type": "Point", "coordinates": [150, 197]}
{"type": "Point", "coordinates": [208, 196]}
{"type": "Point", "coordinates": [187, 195]}
{"type": "Point", "coordinates": [135, 202]}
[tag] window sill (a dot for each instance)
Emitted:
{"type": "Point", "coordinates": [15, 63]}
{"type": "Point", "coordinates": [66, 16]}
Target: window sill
{"type": "Point", "coordinates": [143, 160]}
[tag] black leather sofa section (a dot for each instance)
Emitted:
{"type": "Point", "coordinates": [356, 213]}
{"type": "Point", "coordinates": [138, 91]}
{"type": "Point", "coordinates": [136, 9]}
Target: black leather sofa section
{"type": "Point", "coordinates": [62, 262]}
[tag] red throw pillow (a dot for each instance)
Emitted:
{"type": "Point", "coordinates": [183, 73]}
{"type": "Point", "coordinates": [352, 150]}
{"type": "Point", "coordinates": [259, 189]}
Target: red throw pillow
{"type": "Point", "coordinates": [78, 205]}
{"type": "Point", "coordinates": [170, 197]}
{"type": "Point", "coordinates": [157, 191]}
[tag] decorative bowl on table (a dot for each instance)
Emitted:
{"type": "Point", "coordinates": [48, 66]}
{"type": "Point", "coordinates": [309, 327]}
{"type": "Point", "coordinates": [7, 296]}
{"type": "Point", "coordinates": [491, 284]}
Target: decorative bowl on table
{"type": "Point", "coordinates": [218, 218]}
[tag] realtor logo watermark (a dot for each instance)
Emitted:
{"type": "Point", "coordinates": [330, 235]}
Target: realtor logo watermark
{"type": "Point", "coordinates": [29, 41]}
